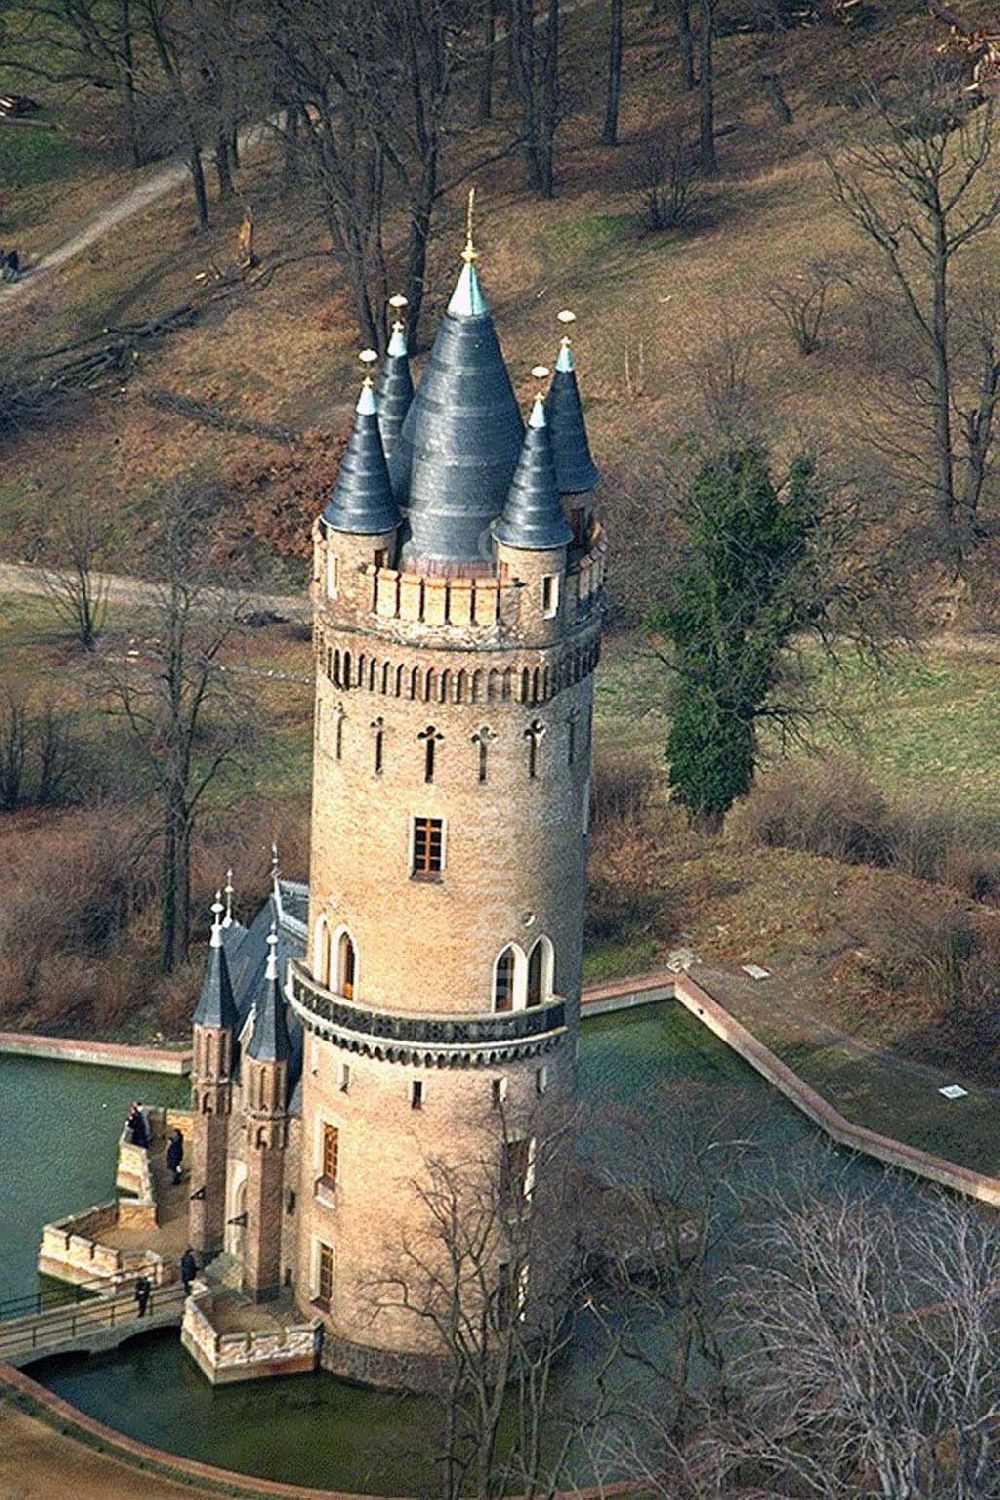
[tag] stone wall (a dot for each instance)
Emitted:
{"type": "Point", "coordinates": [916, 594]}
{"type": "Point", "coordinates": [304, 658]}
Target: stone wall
{"type": "Point", "coordinates": [227, 1357]}
{"type": "Point", "coordinates": [71, 1250]}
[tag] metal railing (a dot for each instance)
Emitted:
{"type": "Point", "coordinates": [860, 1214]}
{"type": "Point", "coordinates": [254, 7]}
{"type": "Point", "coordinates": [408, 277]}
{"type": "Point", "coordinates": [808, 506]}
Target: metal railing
{"type": "Point", "coordinates": [50, 1330]}
{"type": "Point", "coordinates": [61, 1293]}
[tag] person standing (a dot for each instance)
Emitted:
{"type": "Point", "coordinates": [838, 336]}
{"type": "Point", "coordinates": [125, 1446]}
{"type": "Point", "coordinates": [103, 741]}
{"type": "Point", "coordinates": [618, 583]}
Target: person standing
{"type": "Point", "coordinates": [143, 1291]}
{"type": "Point", "coordinates": [189, 1269]}
{"type": "Point", "coordinates": [144, 1136]}
{"type": "Point", "coordinates": [175, 1154]}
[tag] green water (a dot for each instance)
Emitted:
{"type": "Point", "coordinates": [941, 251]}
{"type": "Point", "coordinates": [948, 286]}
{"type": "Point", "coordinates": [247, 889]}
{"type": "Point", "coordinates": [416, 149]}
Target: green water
{"type": "Point", "coordinates": [314, 1429]}
{"type": "Point", "coordinates": [59, 1129]}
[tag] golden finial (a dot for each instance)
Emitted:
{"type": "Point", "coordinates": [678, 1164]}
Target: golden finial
{"type": "Point", "coordinates": [469, 253]}
{"type": "Point", "coordinates": [540, 373]}
{"type": "Point", "coordinates": [397, 302]}
{"type": "Point", "coordinates": [567, 319]}
{"type": "Point", "coordinates": [369, 359]}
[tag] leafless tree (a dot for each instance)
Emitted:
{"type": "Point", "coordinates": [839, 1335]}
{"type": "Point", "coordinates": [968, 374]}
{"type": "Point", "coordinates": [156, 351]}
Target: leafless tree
{"type": "Point", "coordinates": [665, 173]}
{"type": "Point", "coordinates": [494, 1281]}
{"type": "Point", "coordinates": [533, 71]}
{"type": "Point", "coordinates": [869, 1329]}
{"type": "Point", "coordinates": [613, 96]}
{"type": "Point", "coordinates": [72, 580]}
{"type": "Point", "coordinates": [186, 717]}
{"type": "Point", "coordinates": [13, 750]}
{"type": "Point", "coordinates": [801, 302]}
{"type": "Point", "coordinates": [706, 84]}
{"type": "Point", "coordinates": [922, 189]}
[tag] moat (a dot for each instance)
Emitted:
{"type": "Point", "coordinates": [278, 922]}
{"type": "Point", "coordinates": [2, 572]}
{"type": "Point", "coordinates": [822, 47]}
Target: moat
{"type": "Point", "coordinates": [57, 1150]}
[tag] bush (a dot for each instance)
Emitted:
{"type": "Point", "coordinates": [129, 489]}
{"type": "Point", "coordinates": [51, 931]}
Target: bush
{"type": "Point", "coordinates": [621, 788]}
{"type": "Point", "coordinates": [832, 810]}
{"type": "Point", "coordinates": [664, 173]}
{"type": "Point", "coordinates": [944, 953]}
{"type": "Point", "coordinates": [835, 810]}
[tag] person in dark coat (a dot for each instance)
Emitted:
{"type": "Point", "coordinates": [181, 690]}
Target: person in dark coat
{"type": "Point", "coordinates": [175, 1154]}
{"type": "Point", "coordinates": [189, 1269]}
{"type": "Point", "coordinates": [12, 266]}
{"type": "Point", "coordinates": [143, 1291]}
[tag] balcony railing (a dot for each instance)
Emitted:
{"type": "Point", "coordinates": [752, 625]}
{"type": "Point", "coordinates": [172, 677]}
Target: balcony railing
{"type": "Point", "coordinates": [312, 1000]}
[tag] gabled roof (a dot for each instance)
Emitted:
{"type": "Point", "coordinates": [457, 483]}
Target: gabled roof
{"type": "Point", "coordinates": [395, 390]}
{"type": "Point", "coordinates": [532, 516]}
{"type": "Point", "coordinates": [455, 456]}
{"type": "Point", "coordinates": [576, 472]}
{"type": "Point", "coordinates": [362, 500]}
{"type": "Point", "coordinates": [216, 1004]}
{"type": "Point", "coordinates": [248, 948]}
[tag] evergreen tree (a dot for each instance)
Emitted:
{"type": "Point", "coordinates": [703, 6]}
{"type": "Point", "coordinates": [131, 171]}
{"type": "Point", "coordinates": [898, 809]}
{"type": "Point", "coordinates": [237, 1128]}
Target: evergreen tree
{"type": "Point", "coordinates": [751, 580]}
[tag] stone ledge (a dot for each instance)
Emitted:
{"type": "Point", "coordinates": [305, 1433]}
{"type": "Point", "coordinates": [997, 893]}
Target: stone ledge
{"type": "Point", "coordinates": [103, 1054]}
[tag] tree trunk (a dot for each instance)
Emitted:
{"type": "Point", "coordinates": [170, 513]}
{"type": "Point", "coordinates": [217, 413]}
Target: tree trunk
{"type": "Point", "coordinates": [708, 823]}
{"type": "Point", "coordinates": [709, 164]}
{"type": "Point", "coordinates": [222, 168]}
{"type": "Point", "coordinates": [485, 109]}
{"type": "Point", "coordinates": [609, 135]}
{"type": "Point", "coordinates": [685, 38]}
{"type": "Point", "coordinates": [942, 382]}
{"type": "Point", "coordinates": [200, 190]}
{"type": "Point", "coordinates": [550, 104]}
{"type": "Point", "coordinates": [127, 75]}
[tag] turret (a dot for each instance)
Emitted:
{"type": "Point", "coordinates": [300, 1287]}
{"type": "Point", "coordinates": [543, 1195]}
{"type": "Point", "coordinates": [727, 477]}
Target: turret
{"type": "Point", "coordinates": [216, 1021]}
{"type": "Point", "coordinates": [532, 533]}
{"type": "Point", "coordinates": [265, 1102]}
{"type": "Point", "coordinates": [458, 448]}
{"type": "Point", "coordinates": [576, 473]}
{"type": "Point", "coordinates": [361, 518]}
{"type": "Point", "coordinates": [395, 387]}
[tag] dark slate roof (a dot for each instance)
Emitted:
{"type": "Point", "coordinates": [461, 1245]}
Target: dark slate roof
{"type": "Point", "coordinates": [362, 501]}
{"type": "Point", "coordinates": [395, 390]}
{"type": "Point", "coordinates": [458, 449]}
{"type": "Point", "coordinates": [532, 516]}
{"type": "Point", "coordinates": [216, 1004]}
{"type": "Point", "coordinates": [247, 951]}
{"type": "Point", "coordinates": [269, 1038]}
{"type": "Point", "coordinates": [575, 469]}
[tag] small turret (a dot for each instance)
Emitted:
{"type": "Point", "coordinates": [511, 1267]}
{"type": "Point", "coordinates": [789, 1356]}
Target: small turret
{"type": "Point", "coordinates": [362, 501]}
{"type": "Point", "coordinates": [532, 517]}
{"type": "Point", "coordinates": [576, 472]}
{"type": "Point", "coordinates": [216, 1008]}
{"type": "Point", "coordinates": [395, 387]}
{"type": "Point", "coordinates": [269, 1039]}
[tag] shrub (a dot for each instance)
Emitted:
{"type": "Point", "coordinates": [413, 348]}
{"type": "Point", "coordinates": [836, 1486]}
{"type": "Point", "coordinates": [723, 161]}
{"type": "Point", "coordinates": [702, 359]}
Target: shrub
{"type": "Point", "coordinates": [831, 809]}
{"type": "Point", "coordinates": [946, 954]}
{"type": "Point", "coordinates": [664, 173]}
{"type": "Point", "coordinates": [621, 788]}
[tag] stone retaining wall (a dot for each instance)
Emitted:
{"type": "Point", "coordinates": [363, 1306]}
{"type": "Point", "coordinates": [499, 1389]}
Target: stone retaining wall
{"type": "Point", "coordinates": [695, 998]}
{"type": "Point", "coordinates": [227, 1357]}
{"type": "Point", "coordinates": [71, 1251]}
{"type": "Point", "coordinates": [104, 1054]}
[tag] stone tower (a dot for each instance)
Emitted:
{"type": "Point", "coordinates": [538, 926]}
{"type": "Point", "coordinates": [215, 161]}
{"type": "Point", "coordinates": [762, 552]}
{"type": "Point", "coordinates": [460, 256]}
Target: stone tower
{"type": "Point", "coordinates": [264, 1079]}
{"type": "Point", "coordinates": [216, 1022]}
{"type": "Point", "coordinates": [457, 621]}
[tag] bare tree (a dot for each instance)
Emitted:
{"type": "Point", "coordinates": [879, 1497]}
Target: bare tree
{"type": "Point", "coordinates": [922, 190]}
{"type": "Point", "coordinates": [13, 751]}
{"type": "Point", "coordinates": [706, 83]}
{"type": "Point", "coordinates": [869, 1328]}
{"type": "Point", "coordinates": [184, 715]}
{"type": "Point", "coordinates": [73, 581]}
{"type": "Point", "coordinates": [612, 105]}
{"type": "Point", "coordinates": [665, 172]}
{"type": "Point", "coordinates": [493, 1281]}
{"type": "Point", "coordinates": [533, 71]}
{"type": "Point", "coordinates": [801, 302]}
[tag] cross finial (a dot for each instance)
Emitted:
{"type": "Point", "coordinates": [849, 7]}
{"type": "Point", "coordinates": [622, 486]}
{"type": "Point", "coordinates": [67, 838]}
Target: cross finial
{"type": "Point", "coordinates": [397, 302]}
{"type": "Point", "coordinates": [469, 254]}
{"type": "Point", "coordinates": [368, 358]}
{"type": "Point", "coordinates": [567, 319]}
{"type": "Point", "coordinates": [227, 920]}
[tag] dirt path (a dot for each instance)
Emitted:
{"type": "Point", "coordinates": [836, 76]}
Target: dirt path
{"type": "Point", "coordinates": [170, 176]}
{"type": "Point", "coordinates": [19, 578]}
{"type": "Point", "coordinates": [39, 1463]}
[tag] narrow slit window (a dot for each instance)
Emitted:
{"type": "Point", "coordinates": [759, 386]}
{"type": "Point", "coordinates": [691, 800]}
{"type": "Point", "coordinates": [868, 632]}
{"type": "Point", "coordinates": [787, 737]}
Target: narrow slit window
{"type": "Point", "coordinates": [499, 1091]}
{"type": "Point", "coordinates": [550, 595]}
{"type": "Point", "coordinates": [503, 981]}
{"type": "Point", "coordinates": [325, 1275]}
{"type": "Point", "coordinates": [431, 739]}
{"type": "Point", "coordinates": [571, 738]}
{"type": "Point", "coordinates": [533, 734]}
{"type": "Point", "coordinates": [541, 1080]}
{"type": "Point", "coordinates": [417, 1094]}
{"type": "Point", "coordinates": [345, 1078]}
{"type": "Point", "coordinates": [482, 739]}
{"type": "Point", "coordinates": [378, 732]}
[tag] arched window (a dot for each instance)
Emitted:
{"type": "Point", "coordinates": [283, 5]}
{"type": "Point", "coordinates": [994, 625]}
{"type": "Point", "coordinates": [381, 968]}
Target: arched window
{"type": "Point", "coordinates": [346, 965]}
{"type": "Point", "coordinates": [321, 953]}
{"type": "Point", "coordinates": [541, 973]}
{"type": "Point", "coordinates": [504, 972]}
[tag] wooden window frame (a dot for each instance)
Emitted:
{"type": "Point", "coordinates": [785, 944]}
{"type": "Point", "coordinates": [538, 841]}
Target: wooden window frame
{"type": "Point", "coordinates": [424, 830]}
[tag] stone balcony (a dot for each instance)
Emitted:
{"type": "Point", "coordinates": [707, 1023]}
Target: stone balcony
{"type": "Point", "coordinates": [231, 1338]}
{"type": "Point", "coordinates": [432, 1040]}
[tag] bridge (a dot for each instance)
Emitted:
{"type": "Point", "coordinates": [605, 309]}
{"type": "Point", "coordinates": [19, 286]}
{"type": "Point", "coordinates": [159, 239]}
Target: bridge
{"type": "Point", "coordinates": [89, 1326]}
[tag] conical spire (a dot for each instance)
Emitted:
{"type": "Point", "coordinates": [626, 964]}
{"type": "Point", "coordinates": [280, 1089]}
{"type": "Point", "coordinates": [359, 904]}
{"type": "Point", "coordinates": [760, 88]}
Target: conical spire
{"type": "Point", "coordinates": [362, 500]}
{"type": "Point", "coordinates": [457, 451]}
{"type": "Point", "coordinates": [575, 470]}
{"type": "Point", "coordinates": [216, 1006]}
{"type": "Point", "coordinates": [533, 515]}
{"type": "Point", "coordinates": [395, 388]}
{"type": "Point", "coordinates": [269, 1039]}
